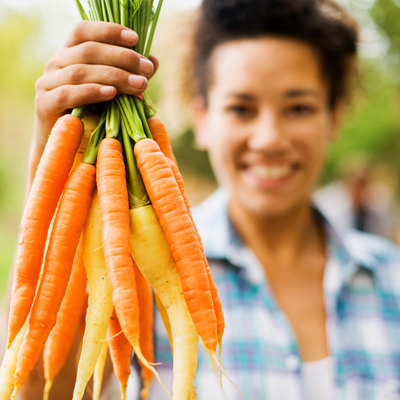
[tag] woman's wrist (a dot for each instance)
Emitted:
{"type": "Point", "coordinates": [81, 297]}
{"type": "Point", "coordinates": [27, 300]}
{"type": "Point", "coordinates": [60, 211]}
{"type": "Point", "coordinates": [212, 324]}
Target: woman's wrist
{"type": "Point", "coordinates": [40, 135]}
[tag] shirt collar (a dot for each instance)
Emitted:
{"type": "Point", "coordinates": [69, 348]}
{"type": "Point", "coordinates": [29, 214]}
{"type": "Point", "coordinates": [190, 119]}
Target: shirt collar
{"type": "Point", "coordinates": [351, 250]}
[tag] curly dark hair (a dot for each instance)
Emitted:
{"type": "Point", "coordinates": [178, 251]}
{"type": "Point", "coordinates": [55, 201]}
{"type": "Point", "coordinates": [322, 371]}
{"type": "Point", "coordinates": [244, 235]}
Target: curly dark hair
{"type": "Point", "coordinates": [322, 24]}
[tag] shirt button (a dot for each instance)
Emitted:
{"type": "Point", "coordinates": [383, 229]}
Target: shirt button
{"type": "Point", "coordinates": [292, 362]}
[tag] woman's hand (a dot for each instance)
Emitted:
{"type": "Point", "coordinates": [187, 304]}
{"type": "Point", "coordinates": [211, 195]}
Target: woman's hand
{"type": "Point", "coordinates": [93, 65]}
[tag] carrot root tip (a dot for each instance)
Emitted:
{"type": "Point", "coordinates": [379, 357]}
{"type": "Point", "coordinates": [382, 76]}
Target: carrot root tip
{"type": "Point", "coordinates": [153, 370]}
{"type": "Point", "coordinates": [15, 392]}
{"type": "Point", "coordinates": [144, 394]}
{"type": "Point", "coordinates": [47, 388]}
{"type": "Point", "coordinates": [214, 357]}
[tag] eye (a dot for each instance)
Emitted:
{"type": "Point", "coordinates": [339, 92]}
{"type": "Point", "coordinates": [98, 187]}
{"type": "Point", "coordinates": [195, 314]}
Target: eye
{"type": "Point", "coordinates": [241, 111]}
{"type": "Point", "coordinates": [300, 110]}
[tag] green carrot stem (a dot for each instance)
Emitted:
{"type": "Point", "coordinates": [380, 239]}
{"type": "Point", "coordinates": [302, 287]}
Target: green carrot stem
{"type": "Point", "coordinates": [81, 10]}
{"type": "Point", "coordinates": [94, 141]}
{"type": "Point", "coordinates": [80, 111]}
{"type": "Point", "coordinates": [94, 7]}
{"type": "Point", "coordinates": [113, 119]}
{"type": "Point", "coordinates": [115, 11]}
{"type": "Point", "coordinates": [109, 11]}
{"type": "Point", "coordinates": [140, 109]}
{"type": "Point", "coordinates": [124, 13]}
{"type": "Point", "coordinates": [153, 29]}
{"type": "Point", "coordinates": [93, 148]}
{"type": "Point", "coordinates": [137, 194]}
{"type": "Point", "coordinates": [150, 109]}
{"type": "Point", "coordinates": [104, 11]}
{"type": "Point", "coordinates": [134, 123]}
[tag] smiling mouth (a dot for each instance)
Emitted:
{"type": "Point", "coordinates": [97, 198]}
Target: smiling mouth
{"type": "Point", "coordinates": [270, 172]}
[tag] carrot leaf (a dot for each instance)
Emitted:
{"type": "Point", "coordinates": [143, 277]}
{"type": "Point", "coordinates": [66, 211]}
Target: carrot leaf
{"type": "Point", "coordinates": [94, 141]}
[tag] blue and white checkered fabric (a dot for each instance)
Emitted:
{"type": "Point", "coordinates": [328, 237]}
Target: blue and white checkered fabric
{"type": "Point", "coordinates": [260, 354]}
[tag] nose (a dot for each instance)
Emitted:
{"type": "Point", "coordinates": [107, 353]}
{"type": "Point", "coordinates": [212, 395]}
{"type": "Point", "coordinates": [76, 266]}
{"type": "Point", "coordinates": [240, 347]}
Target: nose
{"type": "Point", "coordinates": [268, 134]}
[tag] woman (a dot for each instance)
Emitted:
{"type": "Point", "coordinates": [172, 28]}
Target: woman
{"type": "Point", "coordinates": [311, 313]}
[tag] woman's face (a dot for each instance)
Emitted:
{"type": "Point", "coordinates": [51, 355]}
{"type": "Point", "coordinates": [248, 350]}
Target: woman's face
{"type": "Point", "coordinates": [267, 123]}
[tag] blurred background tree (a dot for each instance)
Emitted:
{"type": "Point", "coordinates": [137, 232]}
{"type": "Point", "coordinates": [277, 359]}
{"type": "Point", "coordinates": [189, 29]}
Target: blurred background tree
{"type": "Point", "coordinates": [29, 38]}
{"type": "Point", "coordinates": [19, 68]}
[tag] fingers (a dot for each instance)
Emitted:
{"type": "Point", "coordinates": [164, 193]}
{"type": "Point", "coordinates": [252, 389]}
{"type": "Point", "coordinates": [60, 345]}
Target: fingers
{"type": "Point", "coordinates": [155, 62]}
{"type": "Point", "coordinates": [95, 63]}
{"type": "Point", "coordinates": [105, 55]}
{"type": "Point", "coordinates": [80, 74]}
{"type": "Point", "coordinates": [103, 32]}
{"type": "Point", "coordinates": [53, 103]}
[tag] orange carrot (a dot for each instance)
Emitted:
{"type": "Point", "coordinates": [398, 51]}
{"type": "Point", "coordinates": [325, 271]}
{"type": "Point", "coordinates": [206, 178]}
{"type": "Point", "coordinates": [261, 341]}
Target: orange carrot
{"type": "Point", "coordinates": [120, 352]}
{"type": "Point", "coordinates": [146, 308]}
{"type": "Point", "coordinates": [68, 225]}
{"type": "Point", "coordinates": [114, 215]}
{"type": "Point", "coordinates": [61, 337]}
{"type": "Point", "coordinates": [181, 236]}
{"type": "Point", "coordinates": [213, 288]}
{"type": "Point", "coordinates": [160, 135]}
{"type": "Point", "coordinates": [54, 168]}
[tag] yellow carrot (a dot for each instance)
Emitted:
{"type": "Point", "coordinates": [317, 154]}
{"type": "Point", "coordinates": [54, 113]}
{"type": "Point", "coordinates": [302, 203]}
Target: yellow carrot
{"type": "Point", "coordinates": [9, 364]}
{"type": "Point", "coordinates": [100, 302]}
{"type": "Point", "coordinates": [99, 370]}
{"type": "Point", "coordinates": [153, 257]}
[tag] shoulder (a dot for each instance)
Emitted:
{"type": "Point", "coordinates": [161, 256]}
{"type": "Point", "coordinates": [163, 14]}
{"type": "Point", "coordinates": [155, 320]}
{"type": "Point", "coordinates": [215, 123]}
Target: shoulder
{"type": "Point", "coordinates": [371, 249]}
{"type": "Point", "coordinates": [378, 254]}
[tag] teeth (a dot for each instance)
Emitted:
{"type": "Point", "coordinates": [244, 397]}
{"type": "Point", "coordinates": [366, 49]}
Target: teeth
{"type": "Point", "coordinates": [267, 172]}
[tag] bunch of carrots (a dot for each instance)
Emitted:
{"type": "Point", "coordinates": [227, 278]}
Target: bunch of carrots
{"type": "Point", "coordinates": [107, 226]}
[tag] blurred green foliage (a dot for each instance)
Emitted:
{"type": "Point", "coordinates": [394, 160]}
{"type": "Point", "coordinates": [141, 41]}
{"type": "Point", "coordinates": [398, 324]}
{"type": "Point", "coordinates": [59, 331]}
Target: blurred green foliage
{"type": "Point", "coordinates": [18, 71]}
{"type": "Point", "coordinates": [373, 122]}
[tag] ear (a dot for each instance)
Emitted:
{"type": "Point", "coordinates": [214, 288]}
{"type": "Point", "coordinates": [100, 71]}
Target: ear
{"type": "Point", "coordinates": [199, 116]}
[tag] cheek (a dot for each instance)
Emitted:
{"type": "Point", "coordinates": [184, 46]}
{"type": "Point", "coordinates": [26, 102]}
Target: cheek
{"type": "Point", "coordinates": [316, 154]}
{"type": "Point", "coordinates": [312, 141]}
{"type": "Point", "coordinates": [224, 150]}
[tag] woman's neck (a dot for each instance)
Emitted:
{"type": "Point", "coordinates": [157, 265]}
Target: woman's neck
{"type": "Point", "coordinates": [284, 238]}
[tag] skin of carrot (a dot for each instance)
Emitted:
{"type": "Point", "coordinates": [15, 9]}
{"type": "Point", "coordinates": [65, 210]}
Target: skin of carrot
{"type": "Point", "coordinates": [213, 288]}
{"type": "Point", "coordinates": [177, 225]}
{"type": "Point", "coordinates": [160, 135]}
{"type": "Point", "coordinates": [9, 364]}
{"type": "Point", "coordinates": [90, 122]}
{"type": "Point", "coordinates": [146, 309]}
{"type": "Point", "coordinates": [51, 176]}
{"type": "Point", "coordinates": [82, 319]}
{"type": "Point", "coordinates": [114, 214]}
{"type": "Point", "coordinates": [68, 225]}
{"type": "Point", "coordinates": [165, 320]}
{"type": "Point", "coordinates": [120, 352]}
{"type": "Point", "coordinates": [152, 254]}
{"type": "Point", "coordinates": [62, 336]}
{"type": "Point", "coordinates": [100, 299]}
{"type": "Point", "coordinates": [99, 370]}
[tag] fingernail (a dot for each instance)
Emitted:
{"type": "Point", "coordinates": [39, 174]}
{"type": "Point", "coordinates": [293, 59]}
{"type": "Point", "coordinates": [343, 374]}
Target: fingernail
{"type": "Point", "coordinates": [107, 91]}
{"type": "Point", "coordinates": [146, 66]}
{"type": "Point", "coordinates": [138, 82]}
{"type": "Point", "coordinates": [129, 37]}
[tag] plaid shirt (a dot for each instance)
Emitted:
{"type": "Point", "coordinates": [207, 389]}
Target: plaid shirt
{"type": "Point", "coordinates": [260, 353]}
